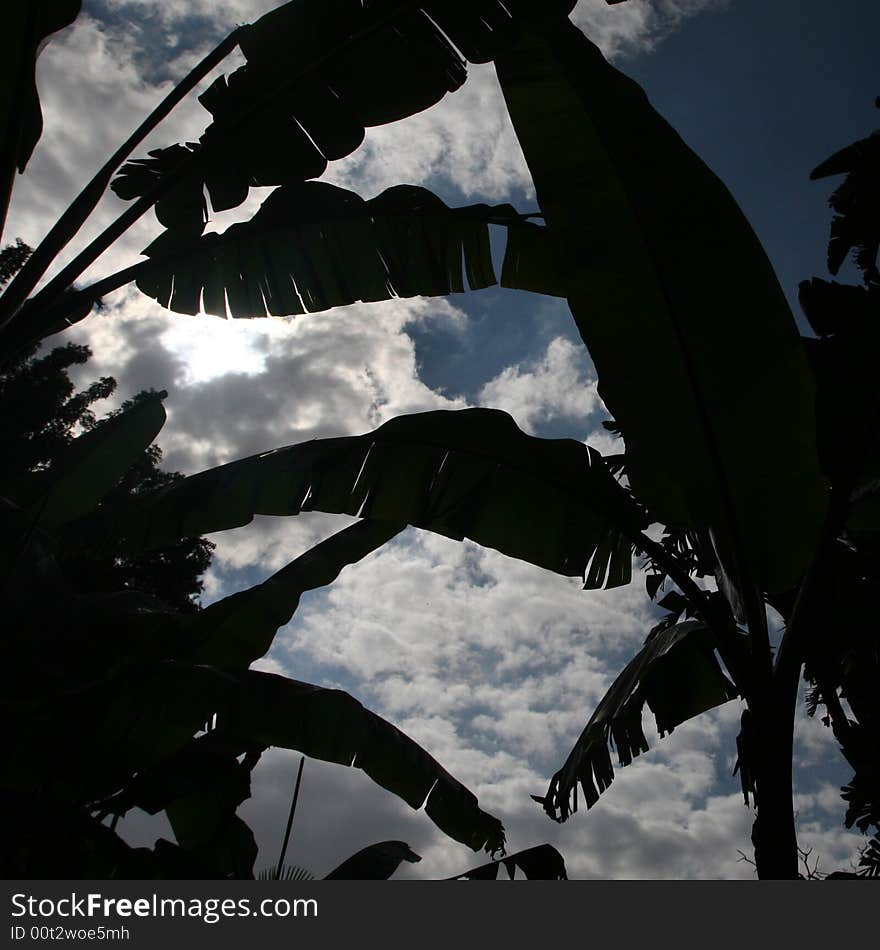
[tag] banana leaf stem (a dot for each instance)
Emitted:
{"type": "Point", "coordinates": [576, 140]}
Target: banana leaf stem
{"type": "Point", "coordinates": [76, 214]}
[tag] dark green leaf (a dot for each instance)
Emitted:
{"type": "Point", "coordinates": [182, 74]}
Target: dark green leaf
{"type": "Point", "coordinates": [184, 208]}
{"type": "Point", "coordinates": [87, 469]}
{"type": "Point", "coordinates": [207, 763]}
{"type": "Point", "coordinates": [676, 674]}
{"type": "Point", "coordinates": [91, 738]}
{"type": "Point", "coordinates": [848, 411]}
{"type": "Point", "coordinates": [535, 261]}
{"type": "Point", "coordinates": [317, 73]}
{"type": "Point", "coordinates": [313, 246]}
{"type": "Point", "coordinates": [45, 838]}
{"type": "Point", "coordinates": [466, 474]}
{"type": "Point", "coordinates": [647, 229]}
{"type": "Point", "coordinates": [227, 846]}
{"type": "Point", "coordinates": [134, 722]}
{"type": "Point", "coordinates": [26, 27]}
{"type": "Point", "coordinates": [834, 308]}
{"type": "Point", "coordinates": [329, 724]}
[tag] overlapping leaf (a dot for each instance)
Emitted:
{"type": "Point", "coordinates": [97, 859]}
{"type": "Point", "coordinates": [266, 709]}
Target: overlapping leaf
{"type": "Point", "coordinates": [676, 674]}
{"type": "Point", "coordinates": [465, 474]}
{"type": "Point", "coordinates": [329, 724]}
{"type": "Point", "coordinates": [679, 306]}
{"type": "Point", "coordinates": [313, 246]}
{"type": "Point", "coordinates": [317, 74]}
{"type": "Point", "coordinates": [103, 733]}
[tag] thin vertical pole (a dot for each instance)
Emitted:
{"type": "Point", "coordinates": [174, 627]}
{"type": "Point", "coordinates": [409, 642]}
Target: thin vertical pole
{"type": "Point", "coordinates": [290, 819]}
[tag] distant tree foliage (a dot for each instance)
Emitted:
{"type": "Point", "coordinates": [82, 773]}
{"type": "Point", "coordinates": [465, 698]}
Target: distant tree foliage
{"type": "Point", "coordinates": [43, 412]}
{"type": "Point", "coordinates": [172, 573]}
{"type": "Point", "coordinates": [42, 407]}
{"type": "Point", "coordinates": [12, 259]}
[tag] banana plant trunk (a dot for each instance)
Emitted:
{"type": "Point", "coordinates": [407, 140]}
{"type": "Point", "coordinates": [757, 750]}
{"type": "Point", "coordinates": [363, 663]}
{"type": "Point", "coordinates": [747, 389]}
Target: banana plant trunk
{"type": "Point", "coordinates": [773, 833]}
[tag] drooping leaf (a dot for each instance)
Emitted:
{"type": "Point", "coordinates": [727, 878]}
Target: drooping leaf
{"type": "Point", "coordinates": [94, 462]}
{"type": "Point", "coordinates": [26, 29]}
{"type": "Point", "coordinates": [677, 302]}
{"type": "Point", "coordinates": [331, 725]}
{"type": "Point", "coordinates": [541, 863]}
{"type": "Point", "coordinates": [102, 735]}
{"type": "Point", "coordinates": [313, 246]}
{"type": "Point", "coordinates": [240, 628]}
{"type": "Point", "coordinates": [464, 474]}
{"type": "Point", "coordinates": [103, 726]}
{"type": "Point", "coordinates": [376, 862]}
{"type": "Point", "coordinates": [676, 674]}
{"type": "Point", "coordinates": [318, 72]}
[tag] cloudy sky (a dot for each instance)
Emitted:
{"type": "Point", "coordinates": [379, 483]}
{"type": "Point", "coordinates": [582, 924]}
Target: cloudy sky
{"type": "Point", "coordinates": [493, 665]}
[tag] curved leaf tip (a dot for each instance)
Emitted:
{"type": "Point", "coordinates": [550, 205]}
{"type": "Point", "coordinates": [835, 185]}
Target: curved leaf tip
{"type": "Point", "coordinates": [676, 674]}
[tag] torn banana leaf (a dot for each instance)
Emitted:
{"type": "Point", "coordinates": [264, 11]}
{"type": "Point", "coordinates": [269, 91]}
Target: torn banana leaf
{"type": "Point", "coordinates": [329, 724]}
{"type": "Point", "coordinates": [138, 718]}
{"type": "Point", "coordinates": [677, 675]}
{"type": "Point", "coordinates": [313, 246]}
{"type": "Point", "coordinates": [464, 474]}
{"type": "Point", "coordinates": [318, 73]}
